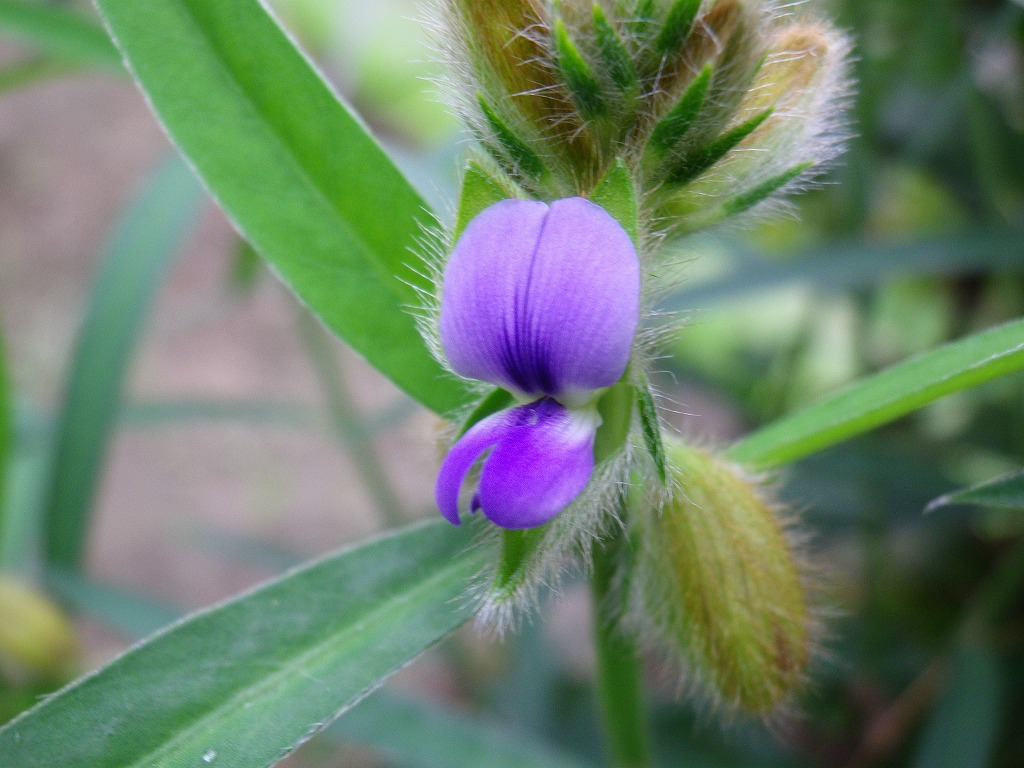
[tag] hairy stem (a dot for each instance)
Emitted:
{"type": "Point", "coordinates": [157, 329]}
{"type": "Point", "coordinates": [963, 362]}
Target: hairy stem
{"type": "Point", "coordinates": [619, 671]}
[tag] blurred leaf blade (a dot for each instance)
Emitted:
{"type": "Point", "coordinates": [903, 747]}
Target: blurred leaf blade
{"type": "Point", "coordinates": [419, 734]}
{"type": "Point", "coordinates": [131, 614]}
{"type": "Point", "coordinates": [415, 732]}
{"type": "Point", "coordinates": [859, 264]}
{"type": "Point", "coordinates": [883, 397]}
{"type": "Point", "coordinates": [962, 730]}
{"type": "Point", "coordinates": [139, 255]}
{"type": "Point", "coordinates": [6, 442]}
{"type": "Point", "coordinates": [1004, 492]}
{"type": "Point", "coordinates": [61, 32]}
{"type": "Point", "coordinates": [295, 169]}
{"type": "Point", "coordinates": [246, 682]}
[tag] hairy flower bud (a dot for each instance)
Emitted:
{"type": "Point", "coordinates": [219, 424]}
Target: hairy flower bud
{"type": "Point", "coordinates": [715, 107]}
{"type": "Point", "coordinates": [719, 585]}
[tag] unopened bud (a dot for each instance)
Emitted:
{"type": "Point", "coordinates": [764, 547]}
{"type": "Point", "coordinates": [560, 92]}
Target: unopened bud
{"type": "Point", "coordinates": [719, 584]}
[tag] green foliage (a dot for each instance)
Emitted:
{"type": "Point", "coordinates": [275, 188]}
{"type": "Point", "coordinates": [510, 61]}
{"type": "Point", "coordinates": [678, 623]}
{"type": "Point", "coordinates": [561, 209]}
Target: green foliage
{"type": "Point", "coordinates": [523, 157]}
{"type": "Point", "coordinates": [879, 399]}
{"type": "Point", "coordinates": [679, 120]}
{"type": "Point", "coordinates": [1005, 492]}
{"type": "Point", "coordinates": [579, 77]}
{"type": "Point", "coordinates": [246, 682]}
{"type": "Point", "coordinates": [279, 152]}
{"type": "Point", "coordinates": [132, 270]}
{"type": "Point", "coordinates": [962, 730]}
{"type": "Point", "coordinates": [61, 32]}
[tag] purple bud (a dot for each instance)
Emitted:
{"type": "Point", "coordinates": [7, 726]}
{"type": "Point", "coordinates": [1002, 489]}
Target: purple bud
{"type": "Point", "coordinates": [543, 301]}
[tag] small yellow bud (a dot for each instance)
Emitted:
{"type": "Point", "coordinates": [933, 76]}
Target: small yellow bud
{"type": "Point", "coordinates": [719, 584]}
{"type": "Point", "coordinates": [36, 639]}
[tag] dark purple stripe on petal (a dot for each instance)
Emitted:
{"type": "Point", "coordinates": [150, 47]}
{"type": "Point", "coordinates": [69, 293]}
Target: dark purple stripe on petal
{"type": "Point", "coordinates": [542, 300]}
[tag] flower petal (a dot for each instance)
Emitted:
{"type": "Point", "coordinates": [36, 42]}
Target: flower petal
{"type": "Point", "coordinates": [467, 449]}
{"type": "Point", "coordinates": [543, 457]}
{"type": "Point", "coordinates": [542, 299]}
{"type": "Point", "coordinates": [539, 466]}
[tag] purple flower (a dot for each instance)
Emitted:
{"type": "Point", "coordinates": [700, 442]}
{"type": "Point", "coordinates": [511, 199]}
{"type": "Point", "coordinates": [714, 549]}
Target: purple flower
{"type": "Point", "coordinates": [542, 301]}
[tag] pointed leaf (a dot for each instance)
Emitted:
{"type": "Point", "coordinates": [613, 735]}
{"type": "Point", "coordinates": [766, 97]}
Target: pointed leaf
{"type": "Point", "coordinates": [242, 684]}
{"type": "Point", "coordinates": [616, 59]}
{"type": "Point", "coordinates": [416, 732]}
{"type": "Point", "coordinates": [679, 120]}
{"type": "Point", "coordinates": [886, 396]}
{"type": "Point", "coordinates": [523, 157]}
{"type": "Point", "coordinates": [1006, 492]}
{"type": "Point", "coordinates": [295, 170]}
{"type": "Point", "coordinates": [747, 200]}
{"type": "Point", "coordinates": [579, 76]}
{"type": "Point", "coordinates": [650, 426]}
{"type": "Point", "coordinates": [695, 163]}
{"type": "Point", "coordinates": [677, 26]}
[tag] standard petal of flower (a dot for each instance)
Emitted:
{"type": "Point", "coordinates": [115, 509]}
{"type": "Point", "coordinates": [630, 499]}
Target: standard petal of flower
{"type": "Point", "coordinates": [542, 299]}
{"type": "Point", "coordinates": [543, 457]}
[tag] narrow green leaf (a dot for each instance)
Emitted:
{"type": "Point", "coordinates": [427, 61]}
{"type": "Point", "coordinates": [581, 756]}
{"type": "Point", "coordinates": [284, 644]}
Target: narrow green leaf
{"type": "Point", "coordinates": [679, 120]}
{"type": "Point", "coordinates": [59, 31]}
{"type": "Point", "coordinates": [421, 734]}
{"type": "Point", "coordinates": [747, 200]}
{"type": "Point", "coordinates": [480, 190]}
{"type": "Point", "coordinates": [695, 163]}
{"type": "Point", "coordinates": [860, 264]}
{"type": "Point", "coordinates": [651, 428]}
{"type": "Point", "coordinates": [131, 272]}
{"type": "Point", "coordinates": [616, 193]}
{"type": "Point", "coordinates": [579, 76]}
{"type": "Point", "coordinates": [296, 171]}
{"type": "Point", "coordinates": [1005, 492]}
{"type": "Point", "coordinates": [418, 733]}
{"type": "Point", "coordinates": [886, 396]}
{"type": "Point", "coordinates": [962, 730]}
{"type": "Point", "coordinates": [242, 684]}
{"type": "Point", "coordinates": [522, 155]}
{"type": "Point", "coordinates": [616, 59]}
{"type": "Point", "coordinates": [677, 27]}
{"type": "Point", "coordinates": [129, 613]}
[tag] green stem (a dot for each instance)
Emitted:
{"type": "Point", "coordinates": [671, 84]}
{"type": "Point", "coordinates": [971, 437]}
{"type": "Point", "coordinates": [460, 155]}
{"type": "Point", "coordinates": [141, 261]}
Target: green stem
{"type": "Point", "coordinates": [619, 669]}
{"type": "Point", "coordinates": [347, 425]}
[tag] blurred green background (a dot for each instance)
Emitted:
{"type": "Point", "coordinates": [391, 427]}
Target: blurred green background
{"type": "Point", "coordinates": [916, 238]}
